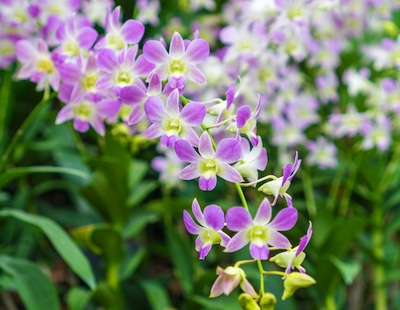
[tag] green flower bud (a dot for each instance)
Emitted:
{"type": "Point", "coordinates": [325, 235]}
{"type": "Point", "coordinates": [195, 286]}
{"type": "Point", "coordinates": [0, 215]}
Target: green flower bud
{"type": "Point", "coordinates": [247, 302]}
{"type": "Point", "coordinates": [294, 281]}
{"type": "Point", "coordinates": [268, 301]}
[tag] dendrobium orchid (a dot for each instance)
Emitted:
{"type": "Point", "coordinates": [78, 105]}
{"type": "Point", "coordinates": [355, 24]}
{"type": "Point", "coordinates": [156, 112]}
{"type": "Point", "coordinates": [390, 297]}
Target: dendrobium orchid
{"type": "Point", "coordinates": [278, 186]}
{"type": "Point", "coordinates": [210, 232]}
{"type": "Point", "coordinates": [180, 63]}
{"type": "Point", "coordinates": [228, 279]}
{"type": "Point", "coordinates": [260, 232]}
{"type": "Point", "coordinates": [172, 123]}
{"type": "Point", "coordinates": [293, 258]}
{"type": "Point", "coordinates": [209, 164]}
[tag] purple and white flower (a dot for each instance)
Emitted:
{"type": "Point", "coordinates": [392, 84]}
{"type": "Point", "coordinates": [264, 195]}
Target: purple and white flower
{"type": "Point", "coordinates": [210, 229]}
{"type": "Point", "coordinates": [209, 164]}
{"type": "Point", "coordinates": [260, 232]}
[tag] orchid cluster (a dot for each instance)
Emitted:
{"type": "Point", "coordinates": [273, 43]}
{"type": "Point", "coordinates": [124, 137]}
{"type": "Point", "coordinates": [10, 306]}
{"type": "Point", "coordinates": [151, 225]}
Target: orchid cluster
{"type": "Point", "coordinates": [105, 80]}
{"type": "Point", "coordinates": [291, 53]}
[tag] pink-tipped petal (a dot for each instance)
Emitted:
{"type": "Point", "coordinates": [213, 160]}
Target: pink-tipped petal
{"type": "Point", "coordinates": [132, 31]}
{"type": "Point", "coordinates": [205, 146]}
{"type": "Point", "coordinates": [173, 103]}
{"type": "Point", "coordinates": [285, 219]}
{"type": "Point", "coordinates": [185, 151]}
{"type": "Point", "coordinates": [190, 225]}
{"type": "Point", "coordinates": [243, 114]}
{"type": "Point", "coordinates": [86, 37]}
{"type": "Point", "coordinates": [154, 109]}
{"type": "Point", "coordinates": [107, 60]}
{"type": "Point", "coordinates": [228, 150]}
{"type": "Point", "coordinates": [259, 252]}
{"type": "Point", "coordinates": [194, 74]}
{"type": "Point", "coordinates": [237, 242]}
{"type": "Point", "coordinates": [197, 51]}
{"type": "Point", "coordinates": [263, 215]}
{"type": "Point", "coordinates": [229, 173]}
{"type": "Point", "coordinates": [197, 212]}
{"type": "Point", "coordinates": [177, 47]}
{"type": "Point", "coordinates": [64, 115]}
{"type": "Point", "coordinates": [154, 131]}
{"type": "Point", "coordinates": [190, 172]}
{"type": "Point", "coordinates": [278, 240]}
{"type": "Point", "coordinates": [207, 184]}
{"type": "Point", "coordinates": [155, 52]}
{"type": "Point", "coordinates": [193, 113]}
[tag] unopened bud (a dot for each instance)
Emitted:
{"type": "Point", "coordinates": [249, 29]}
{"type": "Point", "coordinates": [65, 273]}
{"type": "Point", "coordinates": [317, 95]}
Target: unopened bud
{"type": "Point", "coordinates": [268, 301]}
{"type": "Point", "coordinates": [391, 28]}
{"type": "Point", "coordinates": [294, 281]}
{"type": "Point", "coordinates": [247, 302]}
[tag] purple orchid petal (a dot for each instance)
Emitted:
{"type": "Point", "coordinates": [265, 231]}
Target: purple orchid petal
{"type": "Point", "coordinates": [98, 125]}
{"type": "Point", "coordinates": [155, 52]}
{"type": "Point", "coordinates": [204, 251]}
{"type": "Point", "coordinates": [248, 288]}
{"type": "Point", "coordinates": [168, 141]}
{"type": "Point", "coordinates": [191, 136]}
{"type": "Point", "coordinates": [26, 71]}
{"type": "Point", "coordinates": [304, 240]}
{"type": "Point", "coordinates": [205, 146]}
{"type": "Point", "coordinates": [225, 238]}
{"type": "Point", "coordinates": [154, 131]}
{"type": "Point", "coordinates": [259, 252]}
{"type": "Point", "coordinates": [81, 126]}
{"type": "Point", "coordinates": [177, 82]}
{"type": "Point", "coordinates": [287, 169]}
{"type": "Point", "coordinates": [132, 31]}
{"type": "Point", "coordinates": [228, 150]}
{"type": "Point", "coordinates": [185, 151]}
{"type": "Point", "coordinates": [105, 82]}
{"type": "Point", "coordinates": [197, 51]}
{"type": "Point", "coordinates": [69, 72]}
{"type": "Point", "coordinates": [197, 212]}
{"type": "Point", "coordinates": [64, 115]}
{"type": "Point", "coordinates": [243, 114]}
{"type": "Point", "coordinates": [190, 225]}
{"type": "Point", "coordinates": [177, 47]}
{"type": "Point", "coordinates": [289, 201]}
{"type": "Point", "coordinates": [190, 172]}
{"type": "Point", "coordinates": [237, 242]}
{"type": "Point", "coordinates": [155, 109]}
{"type": "Point", "coordinates": [228, 35]}
{"type": "Point", "coordinates": [230, 95]}
{"type": "Point", "coordinates": [214, 217]}
{"type": "Point", "coordinates": [263, 215]}
{"type": "Point", "coordinates": [276, 239]}
{"type": "Point", "coordinates": [194, 74]}
{"type": "Point", "coordinates": [173, 103]}
{"type": "Point", "coordinates": [132, 95]}
{"type": "Point", "coordinates": [229, 173]}
{"type": "Point", "coordinates": [107, 60]}
{"type": "Point", "coordinates": [238, 218]}
{"type": "Point", "coordinates": [296, 166]}
{"type": "Point", "coordinates": [136, 115]}
{"type": "Point", "coordinates": [207, 184]}
{"type": "Point", "coordinates": [155, 85]}
{"type": "Point", "coordinates": [108, 107]}
{"type": "Point", "coordinates": [86, 37]}
{"type": "Point", "coordinates": [25, 51]}
{"type": "Point", "coordinates": [193, 113]}
{"type": "Point", "coordinates": [218, 288]}
{"type": "Point", "coordinates": [143, 67]}
{"type": "Point", "coordinates": [285, 219]}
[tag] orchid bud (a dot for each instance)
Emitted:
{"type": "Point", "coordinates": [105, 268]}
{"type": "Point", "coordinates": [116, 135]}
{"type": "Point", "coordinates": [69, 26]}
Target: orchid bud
{"type": "Point", "coordinates": [294, 281]}
{"type": "Point", "coordinates": [268, 301]}
{"type": "Point", "coordinates": [247, 302]}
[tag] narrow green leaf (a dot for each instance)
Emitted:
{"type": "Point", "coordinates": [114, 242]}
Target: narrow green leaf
{"type": "Point", "coordinates": [15, 173]}
{"type": "Point", "coordinates": [61, 241]}
{"type": "Point", "coordinates": [131, 263]}
{"type": "Point", "coordinates": [34, 288]}
{"type": "Point", "coordinates": [156, 295]}
{"type": "Point", "coordinates": [140, 192]}
{"type": "Point", "coordinates": [138, 222]}
{"type": "Point", "coordinates": [78, 298]}
{"type": "Point", "coordinates": [182, 258]}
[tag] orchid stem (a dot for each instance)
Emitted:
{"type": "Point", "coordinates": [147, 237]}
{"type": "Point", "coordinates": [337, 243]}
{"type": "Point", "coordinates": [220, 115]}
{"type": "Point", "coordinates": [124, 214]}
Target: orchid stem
{"type": "Point", "coordinates": [261, 269]}
{"type": "Point", "coordinates": [241, 195]}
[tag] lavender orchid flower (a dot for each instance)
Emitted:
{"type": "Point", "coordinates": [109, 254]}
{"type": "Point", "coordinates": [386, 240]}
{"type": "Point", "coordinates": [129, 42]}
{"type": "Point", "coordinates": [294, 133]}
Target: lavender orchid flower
{"type": "Point", "coordinates": [180, 63]}
{"type": "Point", "coordinates": [118, 37]}
{"type": "Point", "coordinates": [172, 123]}
{"type": "Point", "coordinates": [209, 164]}
{"type": "Point", "coordinates": [293, 258]}
{"type": "Point", "coordinates": [210, 232]}
{"type": "Point", "coordinates": [279, 186]}
{"type": "Point", "coordinates": [261, 231]}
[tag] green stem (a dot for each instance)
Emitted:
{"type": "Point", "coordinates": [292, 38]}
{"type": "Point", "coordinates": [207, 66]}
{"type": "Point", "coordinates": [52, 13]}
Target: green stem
{"type": "Point", "coordinates": [261, 269]}
{"type": "Point", "coordinates": [5, 100]}
{"type": "Point", "coordinates": [344, 204]}
{"type": "Point", "coordinates": [23, 127]}
{"type": "Point", "coordinates": [330, 303]}
{"type": "Point", "coordinates": [241, 195]}
{"type": "Point", "coordinates": [378, 253]}
{"type": "Point", "coordinates": [309, 194]}
{"type": "Point", "coordinates": [334, 190]}
{"type": "Point", "coordinates": [112, 277]}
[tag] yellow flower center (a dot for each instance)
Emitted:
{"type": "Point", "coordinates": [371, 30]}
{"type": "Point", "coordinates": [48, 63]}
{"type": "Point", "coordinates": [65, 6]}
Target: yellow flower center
{"type": "Point", "coordinates": [115, 41]}
{"type": "Point", "coordinates": [89, 81]}
{"type": "Point", "coordinates": [45, 65]}
{"type": "Point", "coordinates": [124, 78]}
{"type": "Point", "coordinates": [208, 168]}
{"type": "Point", "coordinates": [177, 68]}
{"type": "Point", "coordinates": [209, 236]}
{"type": "Point", "coordinates": [172, 127]}
{"type": "Point", "coordinates": [84, 110]}
{"type": "Point", "coordinates": [258, 235]}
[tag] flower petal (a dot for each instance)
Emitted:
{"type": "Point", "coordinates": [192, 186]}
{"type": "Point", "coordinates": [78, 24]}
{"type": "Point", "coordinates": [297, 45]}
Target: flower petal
{"type": "Point", "coordinates": [132, 95]}
{"type": "Point", "coordinates": [263, 215]}
{"type": "Point", "coordinates": [193, 113]}
{"type": "Point", "coordinates": [197, 51]}
{"type": "Point", "coordinates": [189, 172]}
{"type": "Point", "coordinates": [177, 46]}
{"type": "Point", "coordinates": [229, 173]}
{"type": "Point", "coordinates": [278, 240]}
{"type": "Point", "coordinates": [196, 75]}
{"type": "Point", "coordinates": [172, 106]}
{"type": "Point", "coordinates": [207, 184]}
{"type": "Point", "coordinates": [214, 217]}
{"type": "Point", "coordinates": [155, 109]}
{"type": "Point", "coordinates": [154, 131]}
{"type": "Point", "coordinates": [190, 225]}
{"type": "Point", "coordinates": [237, 242]}
{"type": "Point", "coordinates": [243, 114]}
{"type": "Point", "coordinates": [185, 151]}
{"type": "Point", "coordinates": [238, 218]}
{"type": "Point", "coordinates": [228, 150]}
{"type": "Point", "coordinates": [155, 52]}
{"type": "Point", "coordinates": [285, 219]}
{"type": "Point", "coordinates": [259, 252]}
{"type": "Point", "coordinates": [86, 37]}
{"type": "Point", "coordinates": [205, 147]}
{"type": "Point", "coordinates": [132, 31]}
{"type": "Point", "coordinates": [107, 60]}
{"type": "Point", "coordinates": [197, 212]}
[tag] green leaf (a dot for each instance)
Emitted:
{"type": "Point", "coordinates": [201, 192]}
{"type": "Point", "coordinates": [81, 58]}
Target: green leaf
{"type": "Point", "coordinates": [78, 298]}
{"type": "Point", "coordinates": [348, 270]}
{"type": "Point", "coordinates": [140, 192]}
{"type": "Point", "coordinates": [61, 241]}
{"type": "Point", "coordinates": [131, 263]}
{"type": "Point", "coordinates": [34, 288]}
{"type": "Point", "coordinates": [15, 173]}
{"type": "Point", "coordinates": [138, 222]}
{"type": "Point", "coordinates": [156, 295]}
{"type": "Point", "coordinates": [181, 254]}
